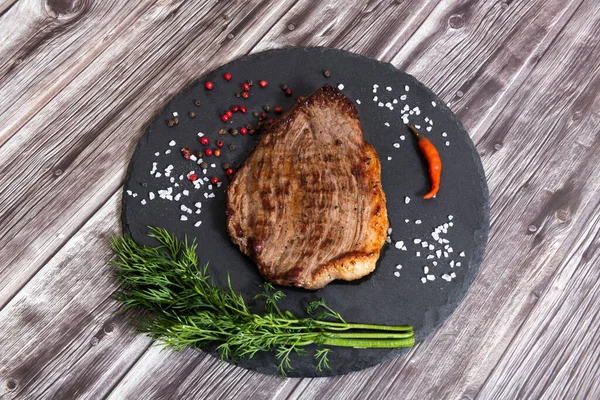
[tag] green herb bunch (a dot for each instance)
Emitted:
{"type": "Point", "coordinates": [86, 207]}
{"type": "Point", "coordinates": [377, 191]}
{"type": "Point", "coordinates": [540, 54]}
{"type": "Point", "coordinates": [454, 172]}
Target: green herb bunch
{"type": "Point", "coordinates": [186, 309]}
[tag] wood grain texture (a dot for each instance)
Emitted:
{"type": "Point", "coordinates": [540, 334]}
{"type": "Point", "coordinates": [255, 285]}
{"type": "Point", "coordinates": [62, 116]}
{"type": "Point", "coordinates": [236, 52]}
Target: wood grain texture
{"type": "Point", "coordinates": [49, 43]}
{"type": "Point", "coordinates": [521, 74]}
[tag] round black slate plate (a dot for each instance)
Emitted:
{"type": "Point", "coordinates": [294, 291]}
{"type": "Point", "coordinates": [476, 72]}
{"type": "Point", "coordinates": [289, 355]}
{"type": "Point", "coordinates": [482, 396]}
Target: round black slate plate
{"type": "Point", "coordinates": [382, 297]}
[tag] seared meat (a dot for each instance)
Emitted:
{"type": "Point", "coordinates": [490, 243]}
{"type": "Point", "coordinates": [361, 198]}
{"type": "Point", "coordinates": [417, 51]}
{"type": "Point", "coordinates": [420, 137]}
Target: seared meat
{"type": "Point", "coordinates": [307, 205]}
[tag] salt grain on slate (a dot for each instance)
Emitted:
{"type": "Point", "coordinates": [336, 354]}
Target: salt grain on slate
{"type": "Point", "coordinates": [407, 220]}
{"type": "Point", "coordinates": [397, 274]}
{"type": "Point", "coordinates": [423, 279]}
{"type": "Point", "coordinates": [151, 195]}
{"type": "Point", "coordinates": [403, 97]}
{"type": "Point", "coordinates": [447, 143]}
{"type": "Point", "coordinates": [183, 218]}
{"type": "Point", "coordinates": [453, 275]}
{"type": "Point", "coordinates": [428, 129]}
{"type": "Point", "coordinates": [341, 86]}
{"type": "Point", "coordinates": [398, 266]}
{"type": "Point", "coordinates": [431, 277]}
{"type": "Point", "coordinates": [175, 114]}
{"type": "Point", "coordinates": [375, 98]}
{"type": "Point", "coordinates": [444, 134]}
{"type": "Point", "coordinates": [389, 158]}
{"type": "Point", "coordinates": [418, 222]}
{"type": "Point", "coordinates": [157, 154]}
{"type": "Point", "coordinates": [397, 145]}
{"type": "Point", "coordinates": [399, 244]}
{"type": "Point", "coordinates": [197, 224]}
{"type": "Point", "coordinates": [357, 101]}
{"type": "Point", "coordinates": [387, 124]}
{"type": "Point", "coordinates": [462, 254]}
{"type": "Point", "coordinates": [433, 103]}
{"type": "Point", "coordinates": [168, 152]}
{"type": "Point", "coordinates": [406, 88]}
{"type": "Point", "coordinates": [172, 143]}
{"type": "Point", "coordinates": [407, 200]}
{"type": "Point", "coordinates": [200, 134]}
{"type": "Point", "coordinates": [418, 254]}
{"type": "Point", "coordinates": [143, 202]}
{"type": "Point", "coordinates": [425, 270]}
{"type": "Point", "coordinates": [402, 137]}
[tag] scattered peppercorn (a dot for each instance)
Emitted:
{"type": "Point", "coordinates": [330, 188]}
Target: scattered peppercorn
{"type": "Point", "coordinates": [326, 73]}
{"type": "Point", "coordinates": [204, 141]}
{"type": "Point", "coordinates": [224, 118]}
{"type": "Point", "coordinates": [262, 83]}
{"type": "Point", "coordinates": [197, 103]}
{"type": "Point", "coordinates": [249, 82]}
{"type": "Point", "coordinates": [209, 85]}
{"type": "Point", "coordinates": [284, 87]}
{"type": "Point", "coordinates": [227, 76]}
{"type": "Point", "coordinates": [225, 166]}
{"type": "Point", "coordinates": [170, 122]}
{"type": "Point", "coordinates": [245, 95]}
{"type": "Point", "coordinates": [229, 172]}
{"type": "Point", "coordinates": [219, 143]}
{"type": "Point", "coordinates": [266, 108]}
{"type": "Point", "coordinates": [192, 114]}
{"type": "Point", "coordinates": [238, 94]}
{"type": "Point", "coordinates": [222, 131]}
{"type": "Point", "coordinates": [235, 108]}
{"type": "Point", "coordinates": [263, 115]}
{"type": "Point", "coordinates": [208, 152]}
{"type": "Point", "coordinates": [278, 110]}
{"type": "Point", "coordinates": [214, 180]}
{"type": "Point", "coordinates": [243, 131]}
{"type": "Point", "coordinates": [248, 126]}
{"type": "Point", "coordinates": [288, 92]}
{"type": "Point", "coordinates": [255, 114]}
{"type": "Point", "coordinates": [243, 109]}
{"type": "Point", "coordinates": [199, 154]}
{"type": "Point", "coordinates": [217, 153]}
{"type": "Point", "coordinates": [233, 132]}
{"type": "Point", "coordinates": [232, 147]}
{"type": "Point", "coordinates": [203, 165]}
{"type": "Point", "coordinates": [252, 131]}
{"type": "Point", "coordinates": [229, 113]}
{"type": "Point", "coordinates": [192, 177]}
{"type": "Point", "coordinates": [245, 87]}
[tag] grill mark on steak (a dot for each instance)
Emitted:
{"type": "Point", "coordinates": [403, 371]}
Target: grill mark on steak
{"type": "Point", "coordinates": [307, 205]}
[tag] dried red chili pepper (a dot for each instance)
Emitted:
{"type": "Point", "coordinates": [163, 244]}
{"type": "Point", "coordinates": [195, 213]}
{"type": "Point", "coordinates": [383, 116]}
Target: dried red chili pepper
{"type": "Point", "coordinates": [433, 159]}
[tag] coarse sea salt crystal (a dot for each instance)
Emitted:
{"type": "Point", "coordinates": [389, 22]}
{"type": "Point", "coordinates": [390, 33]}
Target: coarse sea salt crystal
{"type": "Point", "coordinates": [399, 244]}
{"type": "Point", "coordinates": [198, 205]}
{"type": "Point", "coordinates": [186, 192]}
{"type": "Point", "coordinates": [129, 192]}
{"type": "Point", "coordinates": [428, 129]}
{"type": "Point", "coordinates": [397, 274]}
{"type": "Point", "coordinates": [209, 187]}
{"type": "Point", "coordinates": [462, 254]}
{"type": "Point", "coordinates": [434, 263]}
{"type": "Point", "coordinates": [458, 264]}
{"type": "Point", "coordinates": [450, 217]}
{"type": "Point", "coordinates": [183, 218]}
{"type": "Point", "coordinates": [357, 101]}
{"type": "Point", "coordinates": [143, 202]}
{"type": "Point", "coordinates": [406, 88]}
{"type": "Point", "coordinates": [438, 253]}
{"type": "Point", "coordinates": [388, 239]}
{"type": "Point", "coordinates": [151, 195]}
{"type": "Point", "coordinates": [172, 143]}
{"type": "Point", "coordinates": [451, 263]}
{"type": "Point", "coordinates": [417, 241]}
{"type": "Point", "coordinates": [433, 103]}
{"type": "Point", "coordinates": [389, 158]}
{"type": "Point", "coordinates": [431, 247]}
{"type": "Point", "coordinates": [389, 231]}
{"type": "Point", "coordinates": [453, 275]}
{"type": "Point", "coordinates": [198, 211]}
{"type": "Point", "coordinates": [425, 270]}
{"type": "Point", "coordinates": [395, 101]}
{"type": "Point", "coordinates": [177, 196]}
{"type": "Point", "coordinates": [205, 195]}
{"type": "Point", "coordinates": [210, 196]}
{"type": "Point", "coordinates": [397, 145]}
{"type": "Point", "coordinates": [403, 97]}
{"type": "Point", "coordinates": [375, 98]}
{"type": "Point", "coordinates": [388, 88]}
{"type": "Point", "coordinates": [424, 244]}
{"type": "Point", "coordinates": [407, 200]}
{"type": "Point", "coordinates": [158, 175]}
{"type": "Point", "coordinates": [418, 222]}
{"type": "Point", "coordinates": [341, 86]}
{"type": "Point", "coordinates": [444, 134]}
{"type": "Point", "coordinates": [380, 104]}
{"type": "Point", "coordinates": [387, 124]}
{"type": "Point", "coordinates": [398, 266]}
{"type": "Point", "coordinates": [197, 224]}
{"type": "Point", "coordinates": [219, 184]}
{"type": "Point", "coordinates": [418, 126]}
{"type": "Point", "coordinates": [193, 158]}
{"type": "Point", "coordinates": [213, 165]}
{"type": "Point", "coordinates": [175, 114]}
{"type": "Point", "coordinates": [447, 143]}
{"type": "Point", "coordinates": [157, 154]}
{"type": "Point", "coordinates": [418, 254]}
{"type": "Point", "coordinates": [407, 220]}
{"type": "Point", "coordinates": [200, 134]}
{"type": "Point", "coordinates": [423, 279]}
{"type": "Point", "coordinates": [168, 152]}
{"type": "Point", "coordinates": [430, 256]}
{"type": "Point", "coordinates": [446, 277]}
{"type": "Point", "coordinates": [402, 137]}
{"type": "Point", "coordinates": [431, 277]}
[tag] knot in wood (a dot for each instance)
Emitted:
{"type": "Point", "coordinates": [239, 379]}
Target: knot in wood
{"type": "Point", "coordinates": [64, 8]}
{"type": "Point", "coordinates": [456, 22]}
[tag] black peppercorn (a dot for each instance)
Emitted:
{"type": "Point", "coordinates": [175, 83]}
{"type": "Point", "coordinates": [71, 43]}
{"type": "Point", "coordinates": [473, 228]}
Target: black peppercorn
{"type": "Point", "coordinates": [266, 108]}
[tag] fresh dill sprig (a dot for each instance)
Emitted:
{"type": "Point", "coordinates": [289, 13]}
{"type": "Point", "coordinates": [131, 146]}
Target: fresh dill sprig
{"type": "Point", "coordinates": [186, 309]}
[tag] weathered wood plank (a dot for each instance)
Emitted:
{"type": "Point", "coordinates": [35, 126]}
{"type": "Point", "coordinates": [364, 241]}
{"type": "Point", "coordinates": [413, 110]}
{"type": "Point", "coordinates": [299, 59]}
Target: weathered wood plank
{"type": "Point", "coordinates": [50, 43]}
{"type": "Point", "coordinates": [60, 337]}
{"type": "Point", "coordinates": [102, 110]}
{"type": "Point", "coordinates": [565, 328]}
{"type": "Point", "coordinates": [376, 29]}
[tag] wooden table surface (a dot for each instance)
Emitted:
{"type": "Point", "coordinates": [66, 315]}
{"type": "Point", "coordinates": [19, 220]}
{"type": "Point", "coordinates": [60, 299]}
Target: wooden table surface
{"type": "Point", "coordinates": [80, 80]}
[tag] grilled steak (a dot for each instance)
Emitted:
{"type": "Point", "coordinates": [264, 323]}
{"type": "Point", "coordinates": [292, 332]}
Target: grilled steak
{"type": "Point", "coordinates": [307, 205]}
